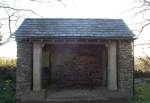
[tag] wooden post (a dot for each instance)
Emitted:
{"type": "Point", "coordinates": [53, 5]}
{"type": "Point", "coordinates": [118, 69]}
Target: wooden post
{"type": "Point", "coordinates": [37, 65]}
{"type": "Point", "coordinates": [112, 66]}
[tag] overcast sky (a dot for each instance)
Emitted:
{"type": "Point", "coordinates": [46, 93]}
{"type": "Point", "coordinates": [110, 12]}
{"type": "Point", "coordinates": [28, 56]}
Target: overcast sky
{"type": "Point", "coordinates": [81, 9]}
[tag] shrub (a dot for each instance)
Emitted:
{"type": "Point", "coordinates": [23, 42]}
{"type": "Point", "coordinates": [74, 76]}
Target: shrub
{"type": "Point", "coordinates": [141, 74]}
{"type": "Point", "coordinates": [7, 94]}
{"type": "Point", "coordinates": [7, 74]}
{"type": "Point", "coordinates": [7, 80]}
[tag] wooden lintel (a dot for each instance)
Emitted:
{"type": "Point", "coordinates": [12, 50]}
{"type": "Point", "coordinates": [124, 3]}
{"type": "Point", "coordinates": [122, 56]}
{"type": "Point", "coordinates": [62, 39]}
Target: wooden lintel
{"type": "Point", "coordinates": [72, 42]}
{"type": "Point", "coordinates": [69, 41]}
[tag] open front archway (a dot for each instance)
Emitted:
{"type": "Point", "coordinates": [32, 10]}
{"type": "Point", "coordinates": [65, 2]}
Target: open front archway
{"type": "Point", "coordinates": [75, 66]}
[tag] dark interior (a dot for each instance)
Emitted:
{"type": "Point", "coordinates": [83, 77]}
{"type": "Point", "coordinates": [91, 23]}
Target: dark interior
{"type": "Point", "coordinates": [75, 66]}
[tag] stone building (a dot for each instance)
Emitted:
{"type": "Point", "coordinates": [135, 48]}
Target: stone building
{"type": "Point", "coordinates": [74, 59]}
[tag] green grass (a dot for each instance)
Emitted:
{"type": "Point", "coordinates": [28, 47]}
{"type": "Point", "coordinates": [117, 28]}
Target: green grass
{"type": "Point", "coordinates": [142, 94]}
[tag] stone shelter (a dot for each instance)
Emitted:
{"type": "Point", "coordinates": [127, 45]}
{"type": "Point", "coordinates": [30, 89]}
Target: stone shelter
{"type": "Point", "coordinates": [63, 59]}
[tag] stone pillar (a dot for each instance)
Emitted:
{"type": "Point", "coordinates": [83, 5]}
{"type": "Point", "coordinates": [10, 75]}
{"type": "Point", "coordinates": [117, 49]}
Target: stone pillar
{"type": "Point", "coordinates": [24, 68]}
{"type": "Point", "coordinates": [125, 66]}
{"type": "Point", "coordinates": [37, 65]}
{"type": "Point", "coordinates": [112, 66]}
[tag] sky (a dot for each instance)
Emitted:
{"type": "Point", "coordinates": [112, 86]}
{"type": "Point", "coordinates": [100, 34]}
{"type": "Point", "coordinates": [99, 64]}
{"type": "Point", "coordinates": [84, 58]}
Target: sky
{"type": "Point", "coordinates": [81, 9]}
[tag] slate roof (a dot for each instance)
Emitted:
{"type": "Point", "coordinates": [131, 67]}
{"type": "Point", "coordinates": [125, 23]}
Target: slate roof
{"type": "Point", "coordinates": [73, 28]}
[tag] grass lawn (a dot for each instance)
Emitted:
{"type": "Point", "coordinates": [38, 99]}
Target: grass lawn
{"type": "Point", "coordinates": [142, 93]}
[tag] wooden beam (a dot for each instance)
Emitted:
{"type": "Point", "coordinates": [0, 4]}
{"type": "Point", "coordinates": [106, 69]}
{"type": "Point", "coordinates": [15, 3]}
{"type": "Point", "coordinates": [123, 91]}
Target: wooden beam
{"type": "Point", "coordinates": [37, 66]}
{"type": "Point", "coordinates": [112, 66]}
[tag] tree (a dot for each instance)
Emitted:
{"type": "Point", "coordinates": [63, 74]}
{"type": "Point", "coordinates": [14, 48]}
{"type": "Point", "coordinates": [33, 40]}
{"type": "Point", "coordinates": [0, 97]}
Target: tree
{"type": "Point", "coordinates": [142, 63]}
{"type": "Point", "coordinates": [143, 10]}
{"type": "Point", "coordinates": [11, 14]}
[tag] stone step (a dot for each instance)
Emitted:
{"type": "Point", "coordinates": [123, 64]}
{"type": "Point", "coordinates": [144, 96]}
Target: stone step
{"type": "Point", "coordinates": [81, 101]}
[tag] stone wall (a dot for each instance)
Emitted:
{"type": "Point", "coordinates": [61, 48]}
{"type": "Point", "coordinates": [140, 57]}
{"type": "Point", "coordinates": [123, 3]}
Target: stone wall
{"type": "Point", "coordinates": [24, 66]}
{"type": "Point", "coordinates": [76, 66]}
{"type": "Point", "coordinates": [125, 67]}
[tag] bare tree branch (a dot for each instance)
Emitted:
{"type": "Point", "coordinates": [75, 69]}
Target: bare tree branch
{"type": "Point", "coordinates": [142, 44]}
{"type": "Point", "coordinates": [12, 16]}
{"type": "Point", "coordinates": [7, 7]}
{"type": "Point", "coordinates": [145, 25]}
{"type": "Point", "coordinates": [142, 9]}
